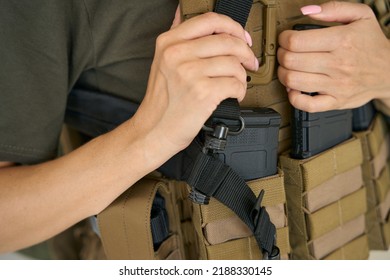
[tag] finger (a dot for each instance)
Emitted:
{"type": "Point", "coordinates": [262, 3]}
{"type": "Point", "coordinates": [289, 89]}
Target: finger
{"type": "Point", "coordinates": [214, 67]}
{"type": "Point", "coordinates": [312, 104]}
{"type": "Point", "coordinates": [314, 40]}
{"type": "Point", "coordinates": [318, 62]}
{"type": "Point", "coordinates": [207, 24]}
{"type": "Point", "coordinates": [223, 67]}
{"type": "Point", "coordinates": [177, 19]}
{"type": "Point", "coordinates": [342, 12]}
{"type": "Point", "coordinates": [303, 81]}
{"type": "Point", "coordinates": [228, 87]}
{"type": "Point", "coordinates": [223, 45]}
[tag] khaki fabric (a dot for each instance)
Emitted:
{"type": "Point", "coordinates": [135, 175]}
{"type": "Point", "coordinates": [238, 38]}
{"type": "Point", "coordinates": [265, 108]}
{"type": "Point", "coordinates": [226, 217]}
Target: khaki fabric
{"type": "Point", "coordinates": [337, 214]}
{"type": "Point", "coordinates": [384, 208]}
{"type": "Point", "coordinates": [357, 249]}
{"type": "Point", "coordinates": [245, 248]}
{"type": "Point", "coordinates": [376, 175]}
{"type": "Point", "coordinates": [304, 176]}
{"type": "Point", "coordinates": [386, 234]}
{"type": "Point", "coordinates": [234, 228]}
{"type": "Point", "coordinates": [338, 237]}
{"type": "Point", "coordinates": [236, 240]}
{"type": "Point", "coordinates": [330, 191]}
{"type": "Point", "coordinates": [125, 224]}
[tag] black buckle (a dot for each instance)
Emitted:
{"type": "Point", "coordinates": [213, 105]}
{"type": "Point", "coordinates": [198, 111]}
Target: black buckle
{"type": "Point", "coordinates": [261, 218]}
{"type": "Point", "coordinates": [229, 131]}
{"type": "Point", "coordinates": [215, 140]}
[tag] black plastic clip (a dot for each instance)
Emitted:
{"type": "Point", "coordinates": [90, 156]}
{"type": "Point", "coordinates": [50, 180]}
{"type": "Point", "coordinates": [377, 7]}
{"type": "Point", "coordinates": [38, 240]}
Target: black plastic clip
{"type": "Point", "coordinates": [261, 219]}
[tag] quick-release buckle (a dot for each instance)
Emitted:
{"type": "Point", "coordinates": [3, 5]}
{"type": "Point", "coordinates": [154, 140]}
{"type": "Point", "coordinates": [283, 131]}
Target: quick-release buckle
{"type": "Point", "coordinates": [215, 140]}
{"type": "Point", "coordinates": [221, 130]}
{"type": "Point", "coordinates": [258, 213]}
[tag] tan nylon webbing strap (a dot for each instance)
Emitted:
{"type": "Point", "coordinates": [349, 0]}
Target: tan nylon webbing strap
{"type": "Point", "coordinates": [335, 161]}
{"type": "Point", "coordinates": [304, 175]}
{"type": "Point", "coordinates": [384, 207]}
{"type": "Point", "coordinates": [376, 174]}
{"type": "Point", "coordinates": [337, 238]}
{"type": "Point", "coordinates": [382, 184]}
{"type": "Point", "coordinates": [245, 248]}
{"type": "Point", "coordinates": [330, 191]}
{"type": "Point", "coordinates": [337, 214]}
{"type": "Point", "coordinates": [355, 250]}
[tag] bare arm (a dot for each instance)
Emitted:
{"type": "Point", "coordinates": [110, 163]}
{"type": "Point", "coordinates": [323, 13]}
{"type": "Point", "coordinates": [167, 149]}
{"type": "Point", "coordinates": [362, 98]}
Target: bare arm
{"type": "Point", "coordinates": [348, 65]}
{"type": "Point", "coordinates": [197, 65]}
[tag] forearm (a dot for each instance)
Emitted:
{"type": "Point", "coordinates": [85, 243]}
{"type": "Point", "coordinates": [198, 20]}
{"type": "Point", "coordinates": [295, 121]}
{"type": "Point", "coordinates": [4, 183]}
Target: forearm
{"type": "Point", "coordinates": [37, 202]}
{"type": "Point", "coordinates": [40, 201]}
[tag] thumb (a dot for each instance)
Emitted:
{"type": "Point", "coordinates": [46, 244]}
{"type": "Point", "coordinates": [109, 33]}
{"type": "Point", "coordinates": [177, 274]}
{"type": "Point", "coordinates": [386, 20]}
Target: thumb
{"type": "Point", "coordinates": [342, 12]}
{"type": "Point", "coordinates": [177, 19]}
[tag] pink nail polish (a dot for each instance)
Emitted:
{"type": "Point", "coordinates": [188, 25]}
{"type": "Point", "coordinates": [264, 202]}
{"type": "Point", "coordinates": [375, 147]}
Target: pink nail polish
{"type": "Point", "coordinates": [311, 10]}
{"type": "Point", "coordinates": [248, 38]}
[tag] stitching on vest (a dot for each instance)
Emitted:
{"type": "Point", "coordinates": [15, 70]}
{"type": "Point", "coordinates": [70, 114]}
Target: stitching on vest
{"type": "Point", "coordinates": [22, 149]}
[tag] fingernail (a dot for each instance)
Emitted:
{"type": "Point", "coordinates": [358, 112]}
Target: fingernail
{"type": "Point", "coordinates": [257, 64]}
{"type": "Point", "coordinates": [248, 38]}
{"type": "Point", "coordinates": [288, 89]}
{"type": "Point", "coordinates": [311, 9]}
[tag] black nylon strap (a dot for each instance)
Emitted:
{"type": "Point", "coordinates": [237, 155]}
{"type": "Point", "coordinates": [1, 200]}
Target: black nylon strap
{"type": "Point", "coordinates": [228, 109]}
{"type": "Point", "coordinates": [236, 9]}
{"type": "Point", "coordinates": [213, 178]}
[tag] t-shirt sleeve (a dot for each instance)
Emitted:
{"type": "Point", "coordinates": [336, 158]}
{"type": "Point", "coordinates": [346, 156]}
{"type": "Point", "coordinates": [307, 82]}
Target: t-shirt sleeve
{"type": "Point", "coordinates": [35, 55]}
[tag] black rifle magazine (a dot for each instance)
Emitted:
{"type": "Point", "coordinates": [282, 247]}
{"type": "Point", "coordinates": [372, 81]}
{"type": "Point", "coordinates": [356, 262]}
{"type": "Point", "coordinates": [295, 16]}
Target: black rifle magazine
{"type": "Point", "coordinates": [363, 116]}
{"type": "Point", "coordinates": [253, 153]}
{"type": "Point", "coordinates": [313, 133]}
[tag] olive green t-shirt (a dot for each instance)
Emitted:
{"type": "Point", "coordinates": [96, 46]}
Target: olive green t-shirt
{"type": "Point", "coordinates": [49, 46]}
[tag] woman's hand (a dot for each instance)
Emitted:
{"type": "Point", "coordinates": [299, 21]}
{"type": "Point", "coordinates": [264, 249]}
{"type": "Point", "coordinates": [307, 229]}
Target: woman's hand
{"type": "Point", "coordinates": [197, 64]}
{"type": "Point", "coordinates": [349, 64]}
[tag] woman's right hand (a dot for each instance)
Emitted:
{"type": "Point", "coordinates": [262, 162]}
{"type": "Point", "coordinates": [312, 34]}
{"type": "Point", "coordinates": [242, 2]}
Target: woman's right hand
{"type": "Point", "coordinates": [197, 64]}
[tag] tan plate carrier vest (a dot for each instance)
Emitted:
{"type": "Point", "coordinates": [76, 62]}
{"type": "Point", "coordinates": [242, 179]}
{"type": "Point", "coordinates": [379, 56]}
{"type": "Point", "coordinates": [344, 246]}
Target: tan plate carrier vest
{"type": "Point", "coordinates": [334, 205]}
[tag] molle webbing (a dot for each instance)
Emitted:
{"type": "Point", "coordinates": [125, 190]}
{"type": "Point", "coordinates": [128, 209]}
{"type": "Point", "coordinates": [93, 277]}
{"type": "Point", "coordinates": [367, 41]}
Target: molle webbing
{"type": "Point", "coordinates": [321, 225]}
{"type": "Point", "coordinates": [376, 166]}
